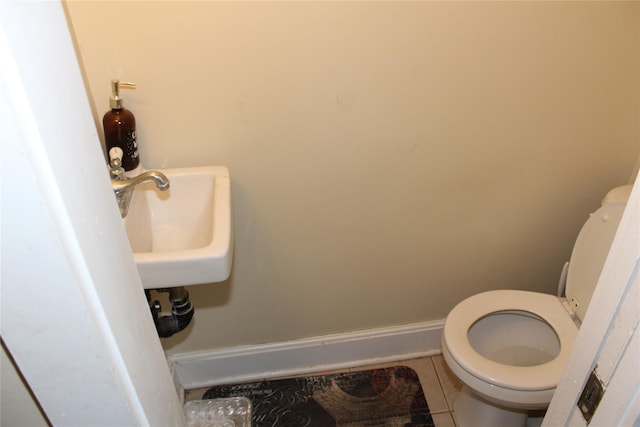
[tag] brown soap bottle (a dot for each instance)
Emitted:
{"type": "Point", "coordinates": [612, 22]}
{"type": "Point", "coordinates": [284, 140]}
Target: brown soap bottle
{"type": "Point", "coordinates": [120, 127]}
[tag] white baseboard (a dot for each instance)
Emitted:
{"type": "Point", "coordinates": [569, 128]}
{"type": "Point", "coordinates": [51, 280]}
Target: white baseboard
{"type": "Point", "coordinates": [280, 359]}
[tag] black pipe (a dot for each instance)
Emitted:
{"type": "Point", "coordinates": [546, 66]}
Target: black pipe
{"type": "Point", "coordinates": [181, 311]}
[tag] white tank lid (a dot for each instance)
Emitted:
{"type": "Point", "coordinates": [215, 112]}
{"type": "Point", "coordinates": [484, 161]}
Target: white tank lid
{"type": "Point", "coordinates": [590, 252]}
{"type": "Point", "coordinates": [618, 195]}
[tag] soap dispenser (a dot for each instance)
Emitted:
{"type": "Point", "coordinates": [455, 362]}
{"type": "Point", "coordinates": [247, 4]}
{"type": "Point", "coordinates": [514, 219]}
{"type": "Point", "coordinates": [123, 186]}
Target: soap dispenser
{"type": "Point", "coordinates": [120, 127]}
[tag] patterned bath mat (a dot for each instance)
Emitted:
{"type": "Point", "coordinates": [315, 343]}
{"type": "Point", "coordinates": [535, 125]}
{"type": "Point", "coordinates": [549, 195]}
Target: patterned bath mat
{"type": "Point", "coordinates": [390, 397]}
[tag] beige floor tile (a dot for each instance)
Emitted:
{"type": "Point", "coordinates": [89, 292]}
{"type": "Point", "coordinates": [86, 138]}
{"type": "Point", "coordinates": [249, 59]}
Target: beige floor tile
{"type": "Point", "coordinates": [430, 384]}
{"type": "Point", "coordinates": [443, 420]}
{"type": "Point", "coordinates": [378, 366]}
{"type": "Point", "coordinates": [450, 384]}
{"type": "Point", "coordinates": [195, 394]}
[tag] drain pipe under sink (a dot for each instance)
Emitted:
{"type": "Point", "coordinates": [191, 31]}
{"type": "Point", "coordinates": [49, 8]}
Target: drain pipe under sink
{"type": "Point", "coordinates": [181, 311]}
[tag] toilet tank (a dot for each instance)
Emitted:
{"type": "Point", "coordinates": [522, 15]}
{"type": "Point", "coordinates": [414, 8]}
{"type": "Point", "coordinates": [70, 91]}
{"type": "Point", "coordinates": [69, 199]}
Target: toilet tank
{"type": "Point", "coordinates": [591, 249]}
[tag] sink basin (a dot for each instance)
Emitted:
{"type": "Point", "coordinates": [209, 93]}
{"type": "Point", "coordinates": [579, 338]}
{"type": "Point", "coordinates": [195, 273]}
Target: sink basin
{"type": "Point", "coordinates": [182, 236]}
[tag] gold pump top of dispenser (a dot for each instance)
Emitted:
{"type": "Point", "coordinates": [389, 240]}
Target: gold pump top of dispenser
{"type": "Point", "coordinates": [115, 101]}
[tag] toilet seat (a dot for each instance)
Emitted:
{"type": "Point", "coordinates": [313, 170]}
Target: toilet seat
{"type": "Point", "coordinates": [525, 378]}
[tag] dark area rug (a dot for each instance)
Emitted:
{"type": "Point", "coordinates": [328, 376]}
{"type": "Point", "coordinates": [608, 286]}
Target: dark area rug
{"type": "Point", "coordinates": [390, 397]}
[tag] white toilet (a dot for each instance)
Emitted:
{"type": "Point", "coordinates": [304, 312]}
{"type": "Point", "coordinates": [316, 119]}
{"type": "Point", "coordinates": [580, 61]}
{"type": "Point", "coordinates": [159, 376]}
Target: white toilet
{"type": "Point", "coordinates": [509, 347]}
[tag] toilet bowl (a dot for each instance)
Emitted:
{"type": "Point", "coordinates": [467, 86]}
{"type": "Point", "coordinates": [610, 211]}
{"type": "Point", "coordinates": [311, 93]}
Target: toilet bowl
{"type": "Point", "coordinates": [510, 347]}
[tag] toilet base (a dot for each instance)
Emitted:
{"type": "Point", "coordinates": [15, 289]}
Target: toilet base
{"type": "Point", "coordinates": [471, 410]}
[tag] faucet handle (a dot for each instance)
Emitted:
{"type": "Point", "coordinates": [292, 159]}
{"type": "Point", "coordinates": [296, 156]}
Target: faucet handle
{"type": "Point", "coordinates": [115, 153]}
{"type": "Point", "coordinates": [115, 164]}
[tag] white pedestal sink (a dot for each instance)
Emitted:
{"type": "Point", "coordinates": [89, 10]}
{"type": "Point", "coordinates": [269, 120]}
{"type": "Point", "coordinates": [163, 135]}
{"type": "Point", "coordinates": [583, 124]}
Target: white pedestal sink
{"type": "Point", "coordinates": [182, 236]}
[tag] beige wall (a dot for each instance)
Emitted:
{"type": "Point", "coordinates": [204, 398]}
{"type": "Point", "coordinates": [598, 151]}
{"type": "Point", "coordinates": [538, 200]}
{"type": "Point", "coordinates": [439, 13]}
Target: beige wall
{"type": "Point", "coordinates": [387, 158]}
{"type": "Point", "coordinates": [18, 406]}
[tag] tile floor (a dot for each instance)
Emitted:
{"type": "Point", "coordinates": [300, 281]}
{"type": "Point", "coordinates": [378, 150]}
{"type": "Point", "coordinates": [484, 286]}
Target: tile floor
{"type": "Point", "coordinates": [438, 383]}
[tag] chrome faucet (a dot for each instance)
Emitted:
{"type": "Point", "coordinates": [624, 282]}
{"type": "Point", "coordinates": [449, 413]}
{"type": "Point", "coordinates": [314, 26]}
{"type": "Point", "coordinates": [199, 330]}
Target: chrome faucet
{"type": "Point", "coordinates": [123, 186]}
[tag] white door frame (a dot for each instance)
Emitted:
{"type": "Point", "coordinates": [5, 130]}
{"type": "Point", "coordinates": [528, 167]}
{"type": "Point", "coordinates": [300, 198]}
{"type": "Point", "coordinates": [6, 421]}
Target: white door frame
{"type": "Point", "coordinates": [74, 316]}
{"type": "Point", "coordinates": [608, 338]}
